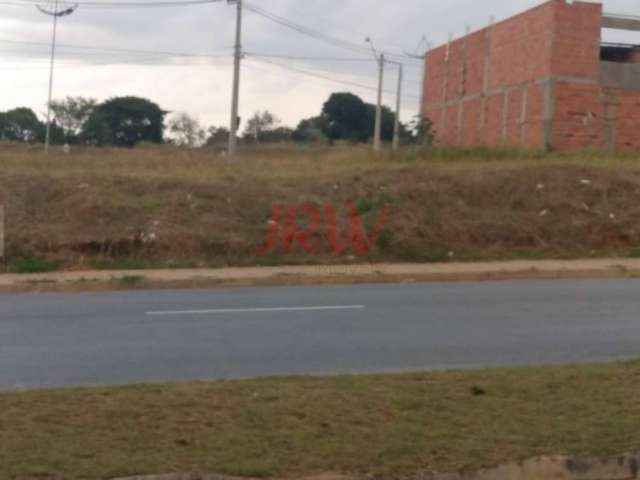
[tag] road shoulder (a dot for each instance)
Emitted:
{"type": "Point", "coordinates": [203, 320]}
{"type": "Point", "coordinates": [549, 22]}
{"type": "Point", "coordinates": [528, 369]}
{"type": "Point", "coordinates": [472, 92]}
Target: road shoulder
{"type": "Point", "coordinates": [321, 274]}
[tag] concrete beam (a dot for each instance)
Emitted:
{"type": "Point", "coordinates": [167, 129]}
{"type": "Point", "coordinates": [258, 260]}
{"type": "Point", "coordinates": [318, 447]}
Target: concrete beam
{"type": "Point", "coordinates": [621, 23]}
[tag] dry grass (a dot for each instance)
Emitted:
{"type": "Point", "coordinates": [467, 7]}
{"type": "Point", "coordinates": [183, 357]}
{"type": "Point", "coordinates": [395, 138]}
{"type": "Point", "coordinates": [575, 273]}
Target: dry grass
{"type": "Point", "coordinates": [89, 209]}
{"type": "Point", "coordinates": [390, 425]}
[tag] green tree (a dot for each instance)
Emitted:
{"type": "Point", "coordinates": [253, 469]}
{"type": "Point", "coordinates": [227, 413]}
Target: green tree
{"type": "Point", "coordinates": [346, 117]}
{"type": "Point", "coordinates": [276, 135]}
{"type": "Point", "coordinates": [422, 131]}
{"type": "Point", "coordinates": [388, 122]}
{"type": "Point", "coordinates": [71, 114]}
{"type": "Point", "coordinates": [217, 136]}
{"type": "Point", "coordinates": [185, 131]}
{"type": "Point", "coordinates": [260, 124]}
{"type": "Point", "coordinates": [21, 125]}
{"type": "Point", "coordinates": [124, 122]}
{"type": "Point", "coordinates": [310, 130]}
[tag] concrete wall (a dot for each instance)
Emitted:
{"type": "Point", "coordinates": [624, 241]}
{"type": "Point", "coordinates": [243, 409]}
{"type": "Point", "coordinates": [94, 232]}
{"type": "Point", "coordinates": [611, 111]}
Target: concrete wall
{"type": "Point", "coordinates": [623, 75]}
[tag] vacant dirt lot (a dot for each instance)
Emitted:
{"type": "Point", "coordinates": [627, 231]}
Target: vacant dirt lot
{"type": "Point", "coordinates": [164, 207]}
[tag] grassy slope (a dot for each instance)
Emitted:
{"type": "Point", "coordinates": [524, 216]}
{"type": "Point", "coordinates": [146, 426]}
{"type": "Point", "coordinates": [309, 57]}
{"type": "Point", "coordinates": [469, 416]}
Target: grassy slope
{"type": "Point", "coordinates": [87, 209]}
{"type": "Point", "coordinates": [395, 425]}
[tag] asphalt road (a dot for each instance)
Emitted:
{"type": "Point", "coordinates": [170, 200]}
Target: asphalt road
{"type": "Point", "coordinates": [150, 336]}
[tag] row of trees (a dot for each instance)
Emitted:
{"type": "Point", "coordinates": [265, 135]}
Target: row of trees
{"type": "Point", "coordinates": [344, 117]}
{"type": "Point", "coordinates": [347, 117]}
{"type": "Point", "coordinates": [21, 125]}
{"type": "Point", "coordinates": [126, 121]}
{"type": "Point", "coordinates": [123, 121]}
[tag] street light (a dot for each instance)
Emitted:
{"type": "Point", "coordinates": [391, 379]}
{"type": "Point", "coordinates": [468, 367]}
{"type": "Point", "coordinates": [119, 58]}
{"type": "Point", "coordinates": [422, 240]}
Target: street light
{"type": "Point", "coordinates": [55, 9]}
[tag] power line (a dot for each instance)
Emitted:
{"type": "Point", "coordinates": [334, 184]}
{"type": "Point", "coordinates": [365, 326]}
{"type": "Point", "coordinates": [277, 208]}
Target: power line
{"type": "Point", "coordinates": [137, 62]}
{"type": "Point", "coordinates": [311, 58]}
{"type": "Point", "coordinates": [304, 30]}
{"type": "Point", "coordinates": [343, 27]}
{"type": "Point", "coordinates": [35, 56]}
{"type": "Point", "coordinates": [157, 55]}
{"type": "Point", "coordinates": [304, 59]}
{"type": "Point", "coordinates": [160, 61]}
{"type": "Point", "coordinates": [323, 76]}
{"type": "Point", "coordinates": [109, 4]}
{"type": "Point", "coordinates": [314, 74]}
{"type": "Point", "coordinates": [117, 50]}
{"type": "Point", "coordinates": [345, 44]}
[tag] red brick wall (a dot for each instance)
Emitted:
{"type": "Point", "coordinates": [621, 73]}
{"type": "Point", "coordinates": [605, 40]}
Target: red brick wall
{"type": "Point", "coordinates": [434, 77]}
{"type": "Point", "coordinates": [534, 124]}
{"type": "Point", "coordinates": [470, 135]}
{"type": "Point", "coordinates": [492, 134]}
{"type": "Point", "coordinates": [576, 42]}
{"type": "Point", "coordinates": [476, 46]}
{"type": "Point", "coordinates": [580, 117]}
{"type": "Point", "coordinates": [521, 47]}
{"type": "Point", "coordinates": [627, 118]}
{"type": "Point", "coordinates": [596, 117]}
{"type": "Point", "coordinates": [555, 40]}
{"type": "Point", "coordinates": [514, 113]}
{"type": "Point", "coordinates": [518, 50]}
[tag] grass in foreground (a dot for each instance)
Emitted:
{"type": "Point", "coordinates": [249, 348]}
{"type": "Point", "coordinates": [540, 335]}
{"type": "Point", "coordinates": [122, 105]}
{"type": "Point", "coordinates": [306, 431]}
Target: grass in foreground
{"type": "Point", "coordinates": [392, 425]}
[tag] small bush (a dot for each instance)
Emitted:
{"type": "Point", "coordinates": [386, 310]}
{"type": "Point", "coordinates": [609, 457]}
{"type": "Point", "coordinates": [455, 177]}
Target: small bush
{"type": "Point", "coordinates": [385, 241]}
{"type": "Point", "coordinates": [418, 254]}
{"type": "Point", "coordinates": [32, 265]}
{"type": "Point", "coordinates": [129, 281]}
{"type": "Point", "coordinates": [364, 206]}
{"type": "Point", "coordinates": [120, 263]}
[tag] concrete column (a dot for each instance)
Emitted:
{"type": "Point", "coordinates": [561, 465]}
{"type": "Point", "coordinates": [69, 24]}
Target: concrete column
{"type": "Point", "coordinates": [611, 113]}
{"type": "Point", "coordinates": [485, 75]}
{"type": "Point", "coordinates": [549, 112]}
{"type": "Point", "coordinates": [447, 60]}
{"type": "Point", "coordinates": [462, 88]}
{"type": "Point", "coordinates": [524, 116]}
{"type": "Point", "coordinates": [505, 117]}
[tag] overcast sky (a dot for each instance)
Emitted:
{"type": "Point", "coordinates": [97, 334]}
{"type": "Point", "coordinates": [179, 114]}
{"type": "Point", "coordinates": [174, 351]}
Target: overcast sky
{"type": "Point", "coordinates": [200, 86]}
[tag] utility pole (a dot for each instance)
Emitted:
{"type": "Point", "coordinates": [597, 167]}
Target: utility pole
{"type": "Point", "coordinates": [377, 133]}
{"type": "Point", "coordinates": [396, 128]}
{"type": "Point", "coordinates": [55, 9]}
{"type": "Point", "coordinates": [421, 54]}
{"type": "Point", "coordinates": [377, 141]}
{"type": "Point", "coordinates": [235, 100]}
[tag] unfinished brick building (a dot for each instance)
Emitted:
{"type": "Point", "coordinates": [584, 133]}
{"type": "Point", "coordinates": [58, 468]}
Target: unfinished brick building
{"type": "Point", "coordinates": [540, 80]}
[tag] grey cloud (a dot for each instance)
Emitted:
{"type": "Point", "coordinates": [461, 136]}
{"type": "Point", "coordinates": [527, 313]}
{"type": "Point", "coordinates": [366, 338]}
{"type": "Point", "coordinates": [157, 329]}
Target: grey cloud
{"type": "Point", "coordinates": [396, 25]}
